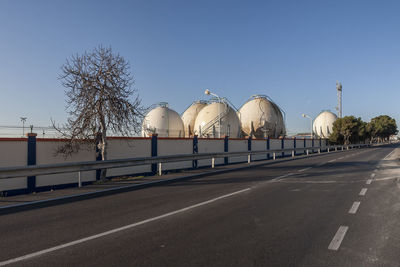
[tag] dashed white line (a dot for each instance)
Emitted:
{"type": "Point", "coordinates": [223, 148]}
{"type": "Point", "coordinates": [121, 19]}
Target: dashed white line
{"type": "Point", "coordinates": [372, 175]}
{"type": "Point", "coordinates": [338, 238]}
{"type": "Point", "coordinates": [303, 170]}
{"type": "Point", "coordinates": [332, 160]}
{"type": "Point", "coordinates": [79, 241]}
{"type": "Point", "coordinates": [363, 191]}
{"type": "Point", "coordinates": [282, 176]}
{"type": "Point", "coordinates": [369, 181]}
{"type": "Point", "coordinates": [354, 207]}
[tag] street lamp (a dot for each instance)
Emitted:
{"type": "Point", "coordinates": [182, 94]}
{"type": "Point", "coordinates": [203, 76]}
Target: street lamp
{"type": "Point", "coordinates": [306, 116]}
{"type": "Point", "coordinates": [23, 119]}
{"type": "Point", "coordinates": [208, 92]}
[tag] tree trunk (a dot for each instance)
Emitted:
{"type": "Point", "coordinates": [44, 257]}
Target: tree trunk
{"type": "Point", "coordinates": [103, 150]}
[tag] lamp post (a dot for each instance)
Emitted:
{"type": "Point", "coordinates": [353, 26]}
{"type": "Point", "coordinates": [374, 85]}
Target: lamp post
{"type": "Point", "coordinates": [311, 132]}
{"type": "Point", "coordinates": [207, 92]}
{"type": "Point", "coordinates": [23, 119]}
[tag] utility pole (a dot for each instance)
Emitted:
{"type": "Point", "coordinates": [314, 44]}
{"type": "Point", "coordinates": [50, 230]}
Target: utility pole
{"type": "Point", "coordinates": [23, 119]}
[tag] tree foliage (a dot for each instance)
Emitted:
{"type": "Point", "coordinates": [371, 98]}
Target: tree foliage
{"type": "Point", "coordinates": [382, 127]}
{"type": "Point", "coordinates": [100, 100]}
{"type": "Point", "coordinates": [347, 130]}
{"type": "Point", "coordinates": [350, 129]}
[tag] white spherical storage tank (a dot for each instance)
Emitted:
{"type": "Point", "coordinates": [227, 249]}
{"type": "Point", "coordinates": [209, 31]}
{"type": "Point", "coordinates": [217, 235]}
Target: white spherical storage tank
{"type": "Point", "coordinates": [163, 121]}
{"type": "Point", "coordinates": [217, 120]}
{"type": "Point", "coordinates": [323, 124]}
{"type": "Point", "coordinates": [190, 115]}
{"type": "Point", "coordinates": [261, 117]}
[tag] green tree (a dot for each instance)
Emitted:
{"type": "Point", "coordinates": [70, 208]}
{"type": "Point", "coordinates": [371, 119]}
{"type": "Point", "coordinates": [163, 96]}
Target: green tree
{"type": "Point", "coordinates": [348, 129]}
{"type": "Point", "coordinates": [382, 127]}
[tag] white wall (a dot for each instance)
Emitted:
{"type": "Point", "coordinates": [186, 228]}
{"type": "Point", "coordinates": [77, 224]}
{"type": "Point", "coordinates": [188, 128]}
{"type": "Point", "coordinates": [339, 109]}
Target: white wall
{"type": "Point", "coordinates": [309, 143]}
{"type": "Point", "coordinates": [237, 146]}
{"type": "Point", "coordinates": [275, 144]}
{"type": "Point", "coordinates": [16, 155]}
{"type": "Point", "coordinates": [120, 148]}
{"type": "Point", "coordinates": [299, 143]}
{"type": "Point", "coordinates": [210, 146]}
{"type": "Point", "coordinates": [258, 145]}
{"type": "Point", "coordinates": [289, 143]}
{"type": "Point", "coordinates": [45, 154]}
{"type": "Point", "coordinates": [175, 146]}
{"type": "Point", "coordinates": [13, 153]}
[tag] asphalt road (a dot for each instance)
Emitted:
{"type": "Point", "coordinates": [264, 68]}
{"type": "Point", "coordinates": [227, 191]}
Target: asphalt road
{"type": "Point", "coordinates": [337, 209]}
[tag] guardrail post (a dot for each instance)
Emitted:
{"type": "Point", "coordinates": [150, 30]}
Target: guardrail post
{"type": "Point", "coordinates": [31, 180]}
{"type": "Point", "coordinates": [195, 150]}
{"type": "Point", "coordinates": [328, 149]}
{"type": "Point", "coordinates": [319, 150]}
{"type": "Point", "coordinates": [283, 146]}
{"type": "Point", "coordinates": [294, 145]}
{"type": "Point", "coordinates": [268, 145]}
{"type": "Point", "coordinates": [307, 152]}
{"type": "Point", "coordinates": [154, 152]}
{"type": "Point", "coordinates": [273, 155]}
{"type": "Point", "coordinates": [159, 169]}
{"type": "Point", "coordinates": [249, 149]}
{"type": "Point", "coordinates": [212, 162]}
{"type": "Point", "coordinates": [305, 144]}
{"type": "Point", "coordinates": [226, 149]}
{"type": "Point", "coordinates": [79, 180]}
{"type": "Point", "coordinates": [292, 153]}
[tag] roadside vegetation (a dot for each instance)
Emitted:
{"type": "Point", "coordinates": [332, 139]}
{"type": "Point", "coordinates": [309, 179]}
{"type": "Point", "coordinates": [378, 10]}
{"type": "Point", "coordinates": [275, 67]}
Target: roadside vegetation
{"type": "Point", "coordinates": [351, 130]}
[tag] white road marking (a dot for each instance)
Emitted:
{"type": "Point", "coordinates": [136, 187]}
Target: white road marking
{"type": "Point", "coordinates": [338, 238]}
{"type": "Point", "coordinates": [309, 182]}
{"type": "Point", "coordinates": [283, 176]}
{"type": "Point", "coordinates": [332, 160]}
{"type": "Point", "coordinates": [341, 158]}
{"type": "Point", "coordinates": [372, 175]}
{"type": "Point", "coordinates": [388, 155]}
{"type": "Point", "coordinates": [387, 178]}
{"type": "Point", "coordinates": [354, 207]}
{"type": "Point", "coordinates": [369, 181]}
{"type": "Point", "coordinates": [363, 191]}
{"type": "Point", "coordinates": [113, 231]}
{"type": "Point", "coordinates": [303, 170]}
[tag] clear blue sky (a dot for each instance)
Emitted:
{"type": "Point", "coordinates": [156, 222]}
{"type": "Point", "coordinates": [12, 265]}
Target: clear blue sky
{"type": "Point", "coordinates": [292, 51]}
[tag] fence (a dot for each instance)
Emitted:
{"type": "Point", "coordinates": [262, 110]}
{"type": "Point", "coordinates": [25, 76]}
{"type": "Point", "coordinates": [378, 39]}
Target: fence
{"type": "Point", "coordinates": [200, 152]}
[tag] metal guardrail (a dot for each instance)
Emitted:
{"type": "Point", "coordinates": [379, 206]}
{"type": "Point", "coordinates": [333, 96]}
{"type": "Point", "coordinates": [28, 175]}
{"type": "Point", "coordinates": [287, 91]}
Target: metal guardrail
{"type": "Point", "coordinates": [22, 171]}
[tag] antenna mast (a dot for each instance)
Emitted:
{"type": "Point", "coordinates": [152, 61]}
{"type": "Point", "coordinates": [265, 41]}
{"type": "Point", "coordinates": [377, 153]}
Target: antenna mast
{"type": "Point", "coordinates": [339, 96]}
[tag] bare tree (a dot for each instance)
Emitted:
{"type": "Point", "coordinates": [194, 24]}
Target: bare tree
{"type": "Point", "coordinates": [100, 100]}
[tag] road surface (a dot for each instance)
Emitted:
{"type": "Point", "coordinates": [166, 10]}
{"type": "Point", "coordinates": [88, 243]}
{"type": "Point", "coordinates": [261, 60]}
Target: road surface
{"type": "Point", "coordinates": [336, 209]}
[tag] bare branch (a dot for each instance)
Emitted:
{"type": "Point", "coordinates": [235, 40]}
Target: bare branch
{"type": "Point", "coordinates": [100, 99]}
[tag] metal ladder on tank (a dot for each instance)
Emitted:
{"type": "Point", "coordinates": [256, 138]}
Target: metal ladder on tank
{"type": "Point", "coordinates": [205, 130]}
